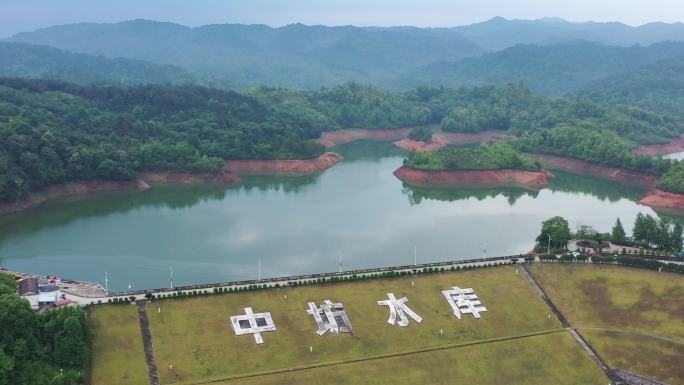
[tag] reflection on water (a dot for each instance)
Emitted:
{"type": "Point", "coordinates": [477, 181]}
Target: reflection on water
{"type": "Point", "coordinates": [293, 224]}
{"type": "Point", "coordinates": [416, 195]}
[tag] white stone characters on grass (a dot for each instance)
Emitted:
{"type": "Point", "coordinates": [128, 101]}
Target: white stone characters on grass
{"type": "Point", "coordinates": [397, 307]}
{"type": "Point", "coordinates": [251, 323]}
{"type": "Point", "coordinates": [464, 301]}
{"type": "Point", "coordinates": [330, 317]}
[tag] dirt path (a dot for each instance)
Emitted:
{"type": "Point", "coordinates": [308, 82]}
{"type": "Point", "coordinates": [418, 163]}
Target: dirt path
{"type": "Point", "coordinates": [580, 340]}
{"type": "Point", "coordinates": [147, 343]}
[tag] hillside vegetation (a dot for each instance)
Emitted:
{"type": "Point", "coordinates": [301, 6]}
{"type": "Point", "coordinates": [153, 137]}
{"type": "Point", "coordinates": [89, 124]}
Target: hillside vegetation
{"type": "Point", "coordinates": [657, 87]}
{"type": "Point", "coordinates": [497, 156]}
{"type": "Point", "coordinates": [52, 132]}
{"type": "Point", "coordinates": [42, 62]}
{"type": "Point", "coordinates": [310, 57]}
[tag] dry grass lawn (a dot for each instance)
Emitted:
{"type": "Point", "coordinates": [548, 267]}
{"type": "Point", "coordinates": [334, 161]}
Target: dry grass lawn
{"type": "Point", "coordinates": [546, 359]}
{"type": "Point", "coordinates": [117, 351]}
{"type": "Point", "coordinates": [195, 336]}
{"type": "Point", "coordinates": [634, 318]}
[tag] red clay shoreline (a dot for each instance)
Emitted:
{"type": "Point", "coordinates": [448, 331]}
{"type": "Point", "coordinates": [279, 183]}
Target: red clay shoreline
{"type": "Point", "coordinates": [530, 180]}
{"type": "Point", "coordinates": [581, 167]}
{"type": "Point", "coordinates": [146, 180]}
{"type": "Point", "coordinates": [283, 167]}
{"type": "Point", "coordinates": [333, 138]}
{"type": "Point", "coordinates": [674, 145]}
{"type": "Point", "coordinates": [663, 201]}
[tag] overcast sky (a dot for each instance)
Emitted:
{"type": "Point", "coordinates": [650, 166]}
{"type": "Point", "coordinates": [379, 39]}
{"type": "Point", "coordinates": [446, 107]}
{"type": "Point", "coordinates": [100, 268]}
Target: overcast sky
{"type": "Point", "coordinates": [26, 15]}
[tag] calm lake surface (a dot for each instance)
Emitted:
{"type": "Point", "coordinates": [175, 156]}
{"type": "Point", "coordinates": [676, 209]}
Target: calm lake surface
{"type": "Point", "coordinates": [294, 225]}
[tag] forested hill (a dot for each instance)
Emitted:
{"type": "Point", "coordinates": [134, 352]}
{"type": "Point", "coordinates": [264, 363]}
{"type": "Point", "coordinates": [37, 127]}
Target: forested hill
{"type": "Point", "coordinates": [310, 57]}
{"type": "Point", "coordinates": [43, 62]}
{"type": "Point", "coordinates": [555, 69]}
{"type": "Point", "coordinates": [251, 55]}
{"type": "Point", "coordinates": [52, 132]}
{"type": "Point", "coordinates": [658, 87]}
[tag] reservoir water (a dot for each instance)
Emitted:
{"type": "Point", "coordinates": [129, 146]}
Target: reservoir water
{"type": "Point", "coordinates": [356, 209]}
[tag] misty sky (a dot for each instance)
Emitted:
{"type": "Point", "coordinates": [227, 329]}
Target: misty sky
{"type": "Point", "coordinates": [27, 15]}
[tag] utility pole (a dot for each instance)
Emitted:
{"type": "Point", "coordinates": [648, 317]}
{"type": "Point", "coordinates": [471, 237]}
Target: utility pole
{"type": "Point", "coordinates": [171, 276]}
{"type": "Point", "coordinates": [106, 283]}
{"type": "Point", "coordinates": [259, 260]}
{"type": "Point", "coordinates": [548, 251]}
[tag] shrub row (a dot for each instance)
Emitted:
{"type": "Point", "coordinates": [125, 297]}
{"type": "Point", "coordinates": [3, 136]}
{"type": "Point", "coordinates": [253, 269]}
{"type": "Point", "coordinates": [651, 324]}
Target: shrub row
{"type": "Point", "coordinates": [643, 263]}
{"type": "Point", "coordinates": [317, 281]}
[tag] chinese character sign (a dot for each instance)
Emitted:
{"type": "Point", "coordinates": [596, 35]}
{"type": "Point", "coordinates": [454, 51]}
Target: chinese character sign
{"type": "Point", "coordinates": [251, 323]}
{"type": "Point", "coordinates": [397, 307]}
{"type": "Point", "coordinates": [330, 317]}
{"type": "Point", "coordinates": [464, 301]}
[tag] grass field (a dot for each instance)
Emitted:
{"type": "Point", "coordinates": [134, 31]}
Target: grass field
{"type": "Point", "coordinates": [545, 359]}
{"type": "Point", "coordinates": [634, 318]}
{"type": "Point", "coordinates": [117, 355]}
{"type": "Point", "coordinates": [194, 334]}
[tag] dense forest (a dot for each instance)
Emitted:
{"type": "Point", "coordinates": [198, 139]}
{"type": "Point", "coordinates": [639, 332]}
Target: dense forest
{"type": "Point", "coordinates": [593, 144]}
{"type": "Point", "coordinates": [49, 348]}
{"type": "Point", "coordinates": [52, 131]}
{"type": "Point", "coordinates": [553, 69]}
{"type": "Point", "coordinates": [313, 56]}
{"type": "Point", "coordinates": [496, 156]}
{"type": "Point", "coordinates": [42, 62]}
{"type": "Point", "coordinates": [657, 87]}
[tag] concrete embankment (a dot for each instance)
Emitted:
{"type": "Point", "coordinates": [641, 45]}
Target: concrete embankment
{"type": "Point", "coordinates": [283, 167]}
{"type": "Point", "coordinates": [531, 180]}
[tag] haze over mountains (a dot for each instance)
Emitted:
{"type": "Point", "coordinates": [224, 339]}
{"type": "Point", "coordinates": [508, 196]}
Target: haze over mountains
{"type": "Point", "coordinates": [551, 55]}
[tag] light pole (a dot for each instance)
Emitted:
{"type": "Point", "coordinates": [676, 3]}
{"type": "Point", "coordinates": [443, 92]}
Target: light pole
{"type": "Point", "coordinates": [259, 260]}
{"type": "Point", "coordinates": [106, 283]}
{"type": "Point", "coordinates": [415, 256]}
{"type": "Point", "coordinates": [548, 251]}
{"type": "Point", "coordinates": [340, 262]}
{"type": "Point", "coordinates": [171, 276]}
{"type": "Point", "coordinates": [484, 250]}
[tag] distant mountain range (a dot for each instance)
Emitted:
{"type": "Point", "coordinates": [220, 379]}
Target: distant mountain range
{"type": "Point", "coordinates": [548, 69]}
{"type": "Point", "coordinates": [552, 56]}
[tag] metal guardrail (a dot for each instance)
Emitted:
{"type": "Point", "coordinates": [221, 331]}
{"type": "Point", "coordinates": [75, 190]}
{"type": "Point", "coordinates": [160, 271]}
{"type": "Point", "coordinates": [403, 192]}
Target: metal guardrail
{"type": "Point", "coordinates": [302, 277]}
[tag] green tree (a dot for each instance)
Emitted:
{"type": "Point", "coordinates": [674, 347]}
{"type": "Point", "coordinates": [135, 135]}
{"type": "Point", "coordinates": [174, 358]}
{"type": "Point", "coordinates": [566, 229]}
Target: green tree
{"type": "Point", "coordinates": [558, 229]}
{"type": "Point", "coordinates": [70, 348]}
{"type": "Point", "coordinates": [676, 237]}
{"type": "Point", "coordinates": [618, 236]}
{"type": "Point", "coordinates": [6, 368]}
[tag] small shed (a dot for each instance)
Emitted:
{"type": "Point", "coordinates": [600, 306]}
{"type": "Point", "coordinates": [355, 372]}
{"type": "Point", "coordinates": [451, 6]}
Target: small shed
{"type": "Point", "coordinates": [29, 290]}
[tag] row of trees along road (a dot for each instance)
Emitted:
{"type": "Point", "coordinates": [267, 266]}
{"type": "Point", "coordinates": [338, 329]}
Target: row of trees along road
{"type": "Point", "coordinates": [648, 231]}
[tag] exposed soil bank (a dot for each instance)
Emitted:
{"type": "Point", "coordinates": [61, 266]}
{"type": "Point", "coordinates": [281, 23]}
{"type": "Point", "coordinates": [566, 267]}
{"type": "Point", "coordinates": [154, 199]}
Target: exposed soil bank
{"type": "Point", "coordinates": [333, 138]}
{"type": "Point", "coordinates": [283, 167]}
{"type": "Point", "coordinates": [664, 201]}
{"type": "Point", "coordinates": [443, 139]}
{"type": "Point", "coordinates": [144, 181]}
{"type": "Point", "coordinates": [530, 180]}
{"type": "Point", "coordinates": [616, 174]}
{"type": "Point", "coordinates": [675, 145]}
{"type": "Point", "coordinates": [155, 178]}
{"type": "Point", "coordinates": [67, 189]}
